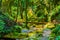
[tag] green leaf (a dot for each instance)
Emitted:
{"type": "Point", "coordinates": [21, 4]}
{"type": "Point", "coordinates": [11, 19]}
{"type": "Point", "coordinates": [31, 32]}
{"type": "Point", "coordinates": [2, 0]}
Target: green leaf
{"type": "Point", "coordinates": [2, 24]}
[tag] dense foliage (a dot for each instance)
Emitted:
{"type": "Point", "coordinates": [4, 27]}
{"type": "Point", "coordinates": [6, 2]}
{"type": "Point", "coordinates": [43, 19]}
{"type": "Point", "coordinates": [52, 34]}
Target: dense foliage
{"type": "Point", "coordinates": [30, 19]}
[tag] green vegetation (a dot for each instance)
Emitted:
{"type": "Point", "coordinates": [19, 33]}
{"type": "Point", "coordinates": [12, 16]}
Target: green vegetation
{"type": "Point", "coordinates": [30, 19]}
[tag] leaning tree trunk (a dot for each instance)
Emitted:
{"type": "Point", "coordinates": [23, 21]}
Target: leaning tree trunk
{"type": "Point", "coordinates": [26, 14]}
{"type": "Point", "coordinates": [21, 9]}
